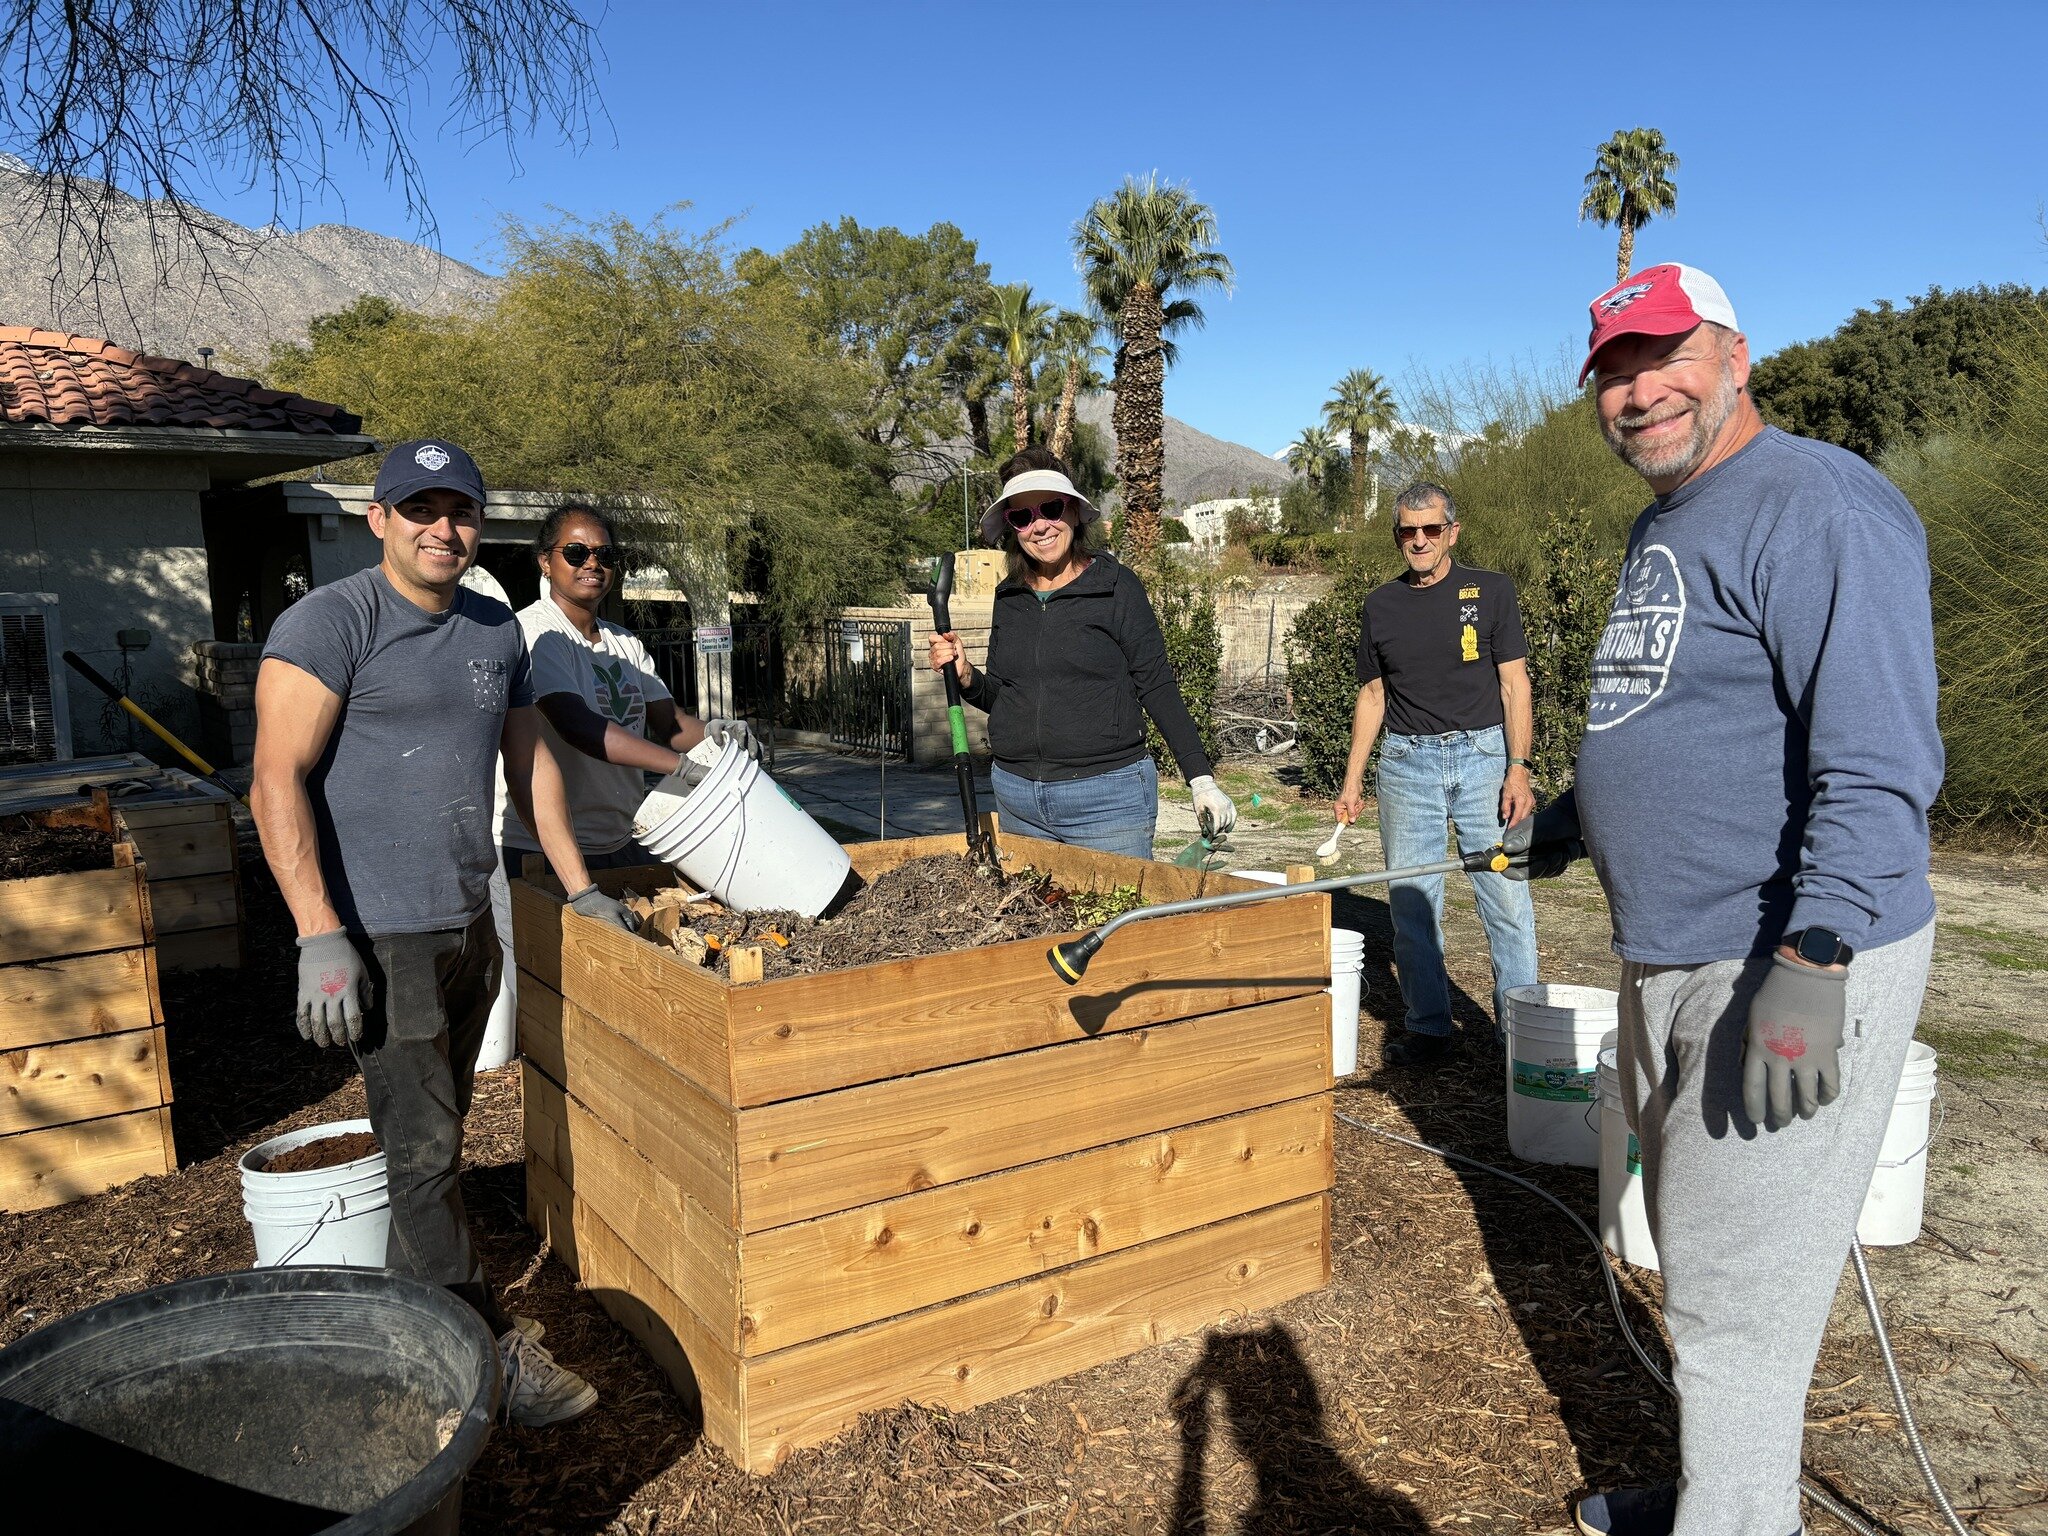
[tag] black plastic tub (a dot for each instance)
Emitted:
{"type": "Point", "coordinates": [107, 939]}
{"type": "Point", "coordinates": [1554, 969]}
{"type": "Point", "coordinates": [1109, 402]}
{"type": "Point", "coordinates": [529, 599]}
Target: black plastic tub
{"type": "Point", "coordinates": [291, 1400]}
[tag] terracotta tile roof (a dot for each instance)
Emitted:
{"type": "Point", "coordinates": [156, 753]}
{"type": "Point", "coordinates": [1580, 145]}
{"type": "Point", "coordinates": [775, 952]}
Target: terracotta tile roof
{"type": "Point", "coordinates": [77, 381]}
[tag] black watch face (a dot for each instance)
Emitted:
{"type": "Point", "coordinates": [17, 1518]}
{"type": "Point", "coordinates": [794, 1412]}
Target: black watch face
{"type": "Point", "coordinates": [1821, 947]}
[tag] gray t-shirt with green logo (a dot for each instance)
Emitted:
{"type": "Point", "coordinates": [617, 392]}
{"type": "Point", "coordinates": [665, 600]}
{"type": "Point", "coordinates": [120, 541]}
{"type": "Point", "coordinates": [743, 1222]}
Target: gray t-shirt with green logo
{"type": "Point", "coordinates": [402, 795]}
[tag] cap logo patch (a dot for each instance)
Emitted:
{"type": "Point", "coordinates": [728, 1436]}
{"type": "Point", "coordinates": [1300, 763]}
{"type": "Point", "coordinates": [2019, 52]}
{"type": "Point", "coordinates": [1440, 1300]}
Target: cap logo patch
{"type": "Point", "coordinates": [431, 458]}
{"type": "Point", "coordinates": [1621, 298]}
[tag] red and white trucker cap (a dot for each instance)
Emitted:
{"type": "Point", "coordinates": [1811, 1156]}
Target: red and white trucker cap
{"type": "Point", "coordinates": [1665, 300]}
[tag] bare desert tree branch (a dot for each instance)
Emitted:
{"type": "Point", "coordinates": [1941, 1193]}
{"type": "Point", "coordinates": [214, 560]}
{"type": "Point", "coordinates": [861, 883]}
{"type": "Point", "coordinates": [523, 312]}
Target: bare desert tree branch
{"type": "Point", "coordinates": [111, 102]}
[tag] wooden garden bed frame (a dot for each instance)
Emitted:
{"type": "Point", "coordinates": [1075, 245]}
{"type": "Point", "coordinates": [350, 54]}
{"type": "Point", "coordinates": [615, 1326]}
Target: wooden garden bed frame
{"type": "Point", "coordinates": [937, 1180]}
{"type": "Point", "coordinates": [85, 1089]}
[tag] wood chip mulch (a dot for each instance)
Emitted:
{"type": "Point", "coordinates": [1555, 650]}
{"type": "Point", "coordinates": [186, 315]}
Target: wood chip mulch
{"type": "Point", "coordinates": [1461, 1371]}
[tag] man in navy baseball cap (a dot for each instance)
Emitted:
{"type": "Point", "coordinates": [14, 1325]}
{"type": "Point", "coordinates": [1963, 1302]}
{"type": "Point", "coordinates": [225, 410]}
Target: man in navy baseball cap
{"type": "Point", "coordinates": [383, 706]}
{"type": "Point", "coordinates": [429, 464]}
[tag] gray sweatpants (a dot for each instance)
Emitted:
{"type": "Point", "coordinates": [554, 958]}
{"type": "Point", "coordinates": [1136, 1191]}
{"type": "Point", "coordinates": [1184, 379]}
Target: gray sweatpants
{"type": "Point", "coordinates": [1752, 1227]}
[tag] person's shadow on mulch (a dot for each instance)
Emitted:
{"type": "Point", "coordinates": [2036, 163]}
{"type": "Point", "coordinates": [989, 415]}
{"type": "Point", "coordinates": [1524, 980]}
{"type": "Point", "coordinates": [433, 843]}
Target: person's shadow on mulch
{"type": "Point", "coordinates": [1273, 1411]}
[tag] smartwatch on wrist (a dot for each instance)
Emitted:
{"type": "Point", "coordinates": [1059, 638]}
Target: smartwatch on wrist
{"type": "Point", "coordinates": [1820, 946]}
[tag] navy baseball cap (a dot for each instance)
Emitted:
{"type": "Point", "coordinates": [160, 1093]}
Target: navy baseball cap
{"type": "Point", "coordinates": [429, 464]}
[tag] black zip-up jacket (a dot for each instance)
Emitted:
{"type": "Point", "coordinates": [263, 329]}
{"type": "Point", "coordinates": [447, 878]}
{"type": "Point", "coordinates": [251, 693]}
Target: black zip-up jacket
{"type": "Point", "coordinates": [1067, 677]}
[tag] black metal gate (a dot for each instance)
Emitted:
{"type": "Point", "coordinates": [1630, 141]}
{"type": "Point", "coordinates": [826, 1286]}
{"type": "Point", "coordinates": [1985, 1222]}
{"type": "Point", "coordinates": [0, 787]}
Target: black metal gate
{"type": "Point", "coordinates": [858, 687]}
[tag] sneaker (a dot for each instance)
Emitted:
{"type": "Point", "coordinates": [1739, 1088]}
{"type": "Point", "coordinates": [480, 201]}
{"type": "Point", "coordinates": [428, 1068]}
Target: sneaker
{"type": "Point", "coordinates": [1414, 1050]}
{"type": "Point", "coordinates": [1628, 1512]}
{"type": "Point", "coordinates": [532, 1327]}
{"type": "Point", "coordinates": [538, 1391]}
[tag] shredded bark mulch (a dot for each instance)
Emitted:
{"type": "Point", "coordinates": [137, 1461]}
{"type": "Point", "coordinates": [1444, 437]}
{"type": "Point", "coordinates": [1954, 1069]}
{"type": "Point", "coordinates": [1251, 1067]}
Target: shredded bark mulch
{"type": "Point", "coordinates": [28, 849]}
{"type": "Point", "coordinates": [1460, 1372]}
{"type": "Point", "coordinates": [925, 907]}
{"type": "Point", "coordinates": [327, 1152]}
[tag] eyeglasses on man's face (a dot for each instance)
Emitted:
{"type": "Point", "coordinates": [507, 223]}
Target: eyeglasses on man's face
{"type": "Point", "coordinates": [578, 554]}
{"type": "Point", "coordinates": [1426, 531]}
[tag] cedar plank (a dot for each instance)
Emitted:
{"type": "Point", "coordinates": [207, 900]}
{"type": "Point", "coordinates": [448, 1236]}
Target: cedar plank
{"type": "Point", "coordinates": [810, 1157]}
{"type": "Point", "coordinates": [983, 1347]}
{"type": "Point", "coordinates": [820, 1277]}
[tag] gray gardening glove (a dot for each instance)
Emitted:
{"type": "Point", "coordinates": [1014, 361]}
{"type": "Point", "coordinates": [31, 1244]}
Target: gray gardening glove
{"type": "Point", "coordinates": [1542, 846]}
{"type": "Point", "coordinates": [334, 989]}
{"type": "Point", "coordinates": [591, 902]}
{"type": "Point", "coordinates": [724, 731]}
{"type": "Point", "coordinates": [1792, 1057]}
{"type": "Point", "coordinates": [1214, 809]}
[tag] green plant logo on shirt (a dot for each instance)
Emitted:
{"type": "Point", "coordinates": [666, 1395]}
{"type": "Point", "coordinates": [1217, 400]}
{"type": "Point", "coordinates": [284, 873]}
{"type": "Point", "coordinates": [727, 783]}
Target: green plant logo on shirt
{"type": "Point", "coordinates": [618, 696]}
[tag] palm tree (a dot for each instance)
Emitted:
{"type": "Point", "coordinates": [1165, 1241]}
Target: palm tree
{"type": "Point", "coordinates": [1312, 454]}
{"type": "Point", "coordinates": [1360, 405]}
{"type": "Point", "coordinates": [1135, 248]}
{"type": "Point", "coordinates": [1075, 348]}
{"type": "Point", "coordinates": [1017, 328]}
{"type": "Point", "coordinates": [1629, 185]}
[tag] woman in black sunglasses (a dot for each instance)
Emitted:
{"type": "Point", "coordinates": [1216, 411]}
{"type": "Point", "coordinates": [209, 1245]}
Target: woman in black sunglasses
{"type": "Point", "coordinates": [1075, 664]}
{"type": "Point", "coordinates": [608, 717]}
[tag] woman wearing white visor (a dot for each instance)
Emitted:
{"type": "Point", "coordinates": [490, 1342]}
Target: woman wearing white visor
{"type": "Point", "coordinates": [1075, 663]}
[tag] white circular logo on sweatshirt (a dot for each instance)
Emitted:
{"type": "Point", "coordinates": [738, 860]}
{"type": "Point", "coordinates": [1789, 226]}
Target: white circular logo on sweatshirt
{"type": "Point", "coordinates": [1632, 665]}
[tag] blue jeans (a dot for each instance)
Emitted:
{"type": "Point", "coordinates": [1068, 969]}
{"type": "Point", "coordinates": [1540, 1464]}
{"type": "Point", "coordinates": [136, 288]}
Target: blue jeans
{"type": "Point", "coordinates": [1425, 784]}
{"type": "Point", "coordinates": [1112, 812]}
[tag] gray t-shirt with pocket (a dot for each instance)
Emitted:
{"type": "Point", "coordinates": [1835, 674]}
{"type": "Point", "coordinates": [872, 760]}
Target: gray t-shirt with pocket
{"type": "Point", "coordinates": [402, 795]}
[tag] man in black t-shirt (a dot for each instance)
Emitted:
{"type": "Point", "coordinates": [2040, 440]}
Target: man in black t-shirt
{"type": "Point", "coordinates": [1442, 662]}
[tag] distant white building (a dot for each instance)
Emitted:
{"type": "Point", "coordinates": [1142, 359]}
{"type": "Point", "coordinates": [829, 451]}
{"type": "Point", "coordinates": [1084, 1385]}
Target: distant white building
{"type": "Point", "coordinates": [1208, 522]}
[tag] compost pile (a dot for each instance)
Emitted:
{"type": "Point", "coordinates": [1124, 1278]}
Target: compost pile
{"type": "Point", "coordinates": [28, 848]}
{"type": "Point", "coordinates": [925, 907]}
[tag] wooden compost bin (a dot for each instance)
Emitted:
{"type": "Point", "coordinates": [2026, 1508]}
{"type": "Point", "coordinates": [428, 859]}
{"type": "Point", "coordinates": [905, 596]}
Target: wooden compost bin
{"type": "Point", "coordinates": [84, 1087]}
{"type": "Point", "coordinates": [934, 1180]}
{"type": "Point", "coordinates": [183, 829]}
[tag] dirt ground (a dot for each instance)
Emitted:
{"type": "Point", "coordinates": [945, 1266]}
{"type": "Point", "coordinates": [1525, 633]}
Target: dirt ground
{"type": "Point", "coordinates": [1460, 1372]}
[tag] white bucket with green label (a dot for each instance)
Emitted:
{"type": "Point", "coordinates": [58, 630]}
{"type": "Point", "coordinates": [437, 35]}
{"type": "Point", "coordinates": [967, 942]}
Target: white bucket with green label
{"type": "Point", "coordinates": [1553, 1053]}
{"type": "Point", "coordinates": [1624, 1220]}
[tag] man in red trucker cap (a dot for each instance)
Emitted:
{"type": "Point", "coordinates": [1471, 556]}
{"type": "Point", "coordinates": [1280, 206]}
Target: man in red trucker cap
{"type": "Point", "coordinates": [1753, 784]}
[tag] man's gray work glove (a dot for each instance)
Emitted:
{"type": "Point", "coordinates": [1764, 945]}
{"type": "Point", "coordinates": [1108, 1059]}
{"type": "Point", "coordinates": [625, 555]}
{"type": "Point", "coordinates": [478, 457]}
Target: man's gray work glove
{"type": "Point", "coordinates": [591, 902]}
{"type": "Point", "coordinates": [1540, 847]}
{"type": "Point", "coordinates": [334, 989]}
{"type": "Point", "coordinates": [1792, 1057]}
{"type": "Point", "coordinates": [724, 731]}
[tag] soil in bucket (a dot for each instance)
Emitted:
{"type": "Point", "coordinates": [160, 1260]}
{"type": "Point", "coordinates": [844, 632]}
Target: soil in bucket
{"type": "Point", "coordinates": [327, 1152]}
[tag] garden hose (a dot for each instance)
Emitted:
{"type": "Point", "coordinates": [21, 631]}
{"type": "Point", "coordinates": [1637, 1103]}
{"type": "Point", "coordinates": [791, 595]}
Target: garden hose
{"type": "Point", "coordinates": [1070, 960]}
{"type": "Point", "coordinates": [1807, 1485]}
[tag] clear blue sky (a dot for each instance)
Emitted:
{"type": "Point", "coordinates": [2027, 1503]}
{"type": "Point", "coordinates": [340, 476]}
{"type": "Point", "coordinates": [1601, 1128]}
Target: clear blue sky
{"type": "Point", "coordinates": [1397, 184]}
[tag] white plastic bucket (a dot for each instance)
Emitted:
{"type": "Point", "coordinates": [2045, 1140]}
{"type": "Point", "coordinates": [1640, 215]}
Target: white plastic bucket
{"type": "Point", "coordinates": [1624, 1220]}
{"type": "Point", "coordinates": [1347, 965]}
{"type": "Point", "coordinates": [741, 837]}
{"type": "Point", "coordinates": [1553, 1055]}
{"type": "Point", "coordinates": [1347, 962]}
{"type": "Point", "coordinates": [339, 1215]}
{"type": "Point", "coordinates": [1898, 1185]}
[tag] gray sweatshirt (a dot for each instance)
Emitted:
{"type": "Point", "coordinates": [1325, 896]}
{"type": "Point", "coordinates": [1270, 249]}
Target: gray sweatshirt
{"type": "Point", "coordinates": [1760, 748]}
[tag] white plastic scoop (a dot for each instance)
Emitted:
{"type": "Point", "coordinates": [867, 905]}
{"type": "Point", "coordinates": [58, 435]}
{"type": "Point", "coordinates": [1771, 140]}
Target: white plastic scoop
{"type": "Point", "coordinates": [1328, 851]}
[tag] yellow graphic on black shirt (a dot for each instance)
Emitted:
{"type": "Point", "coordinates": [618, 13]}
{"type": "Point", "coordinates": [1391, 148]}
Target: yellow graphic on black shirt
{"type": "Point", "coordinates": [1468, 642]}
{"type": "Point", "coordinates": [1465, 592]}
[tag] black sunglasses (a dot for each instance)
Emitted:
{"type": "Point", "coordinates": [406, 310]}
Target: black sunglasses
{"type": "Point", "coordinates": [579, 553]}
{"type": "Point", "coordinates": [1426, 530]}
{"type": "Point", "coordinates": [1021, 518]}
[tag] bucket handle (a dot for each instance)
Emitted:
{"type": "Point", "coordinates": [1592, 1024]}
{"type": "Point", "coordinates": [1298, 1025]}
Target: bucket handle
{"type": "Point", "coordinates": [332, 1209]}
{"type": "Point", "coordinates": [1941, 1119]}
